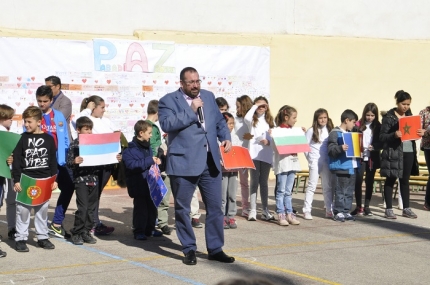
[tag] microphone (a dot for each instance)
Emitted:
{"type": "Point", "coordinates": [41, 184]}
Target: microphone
{"type": "Point", "coordinates": [200, 114]}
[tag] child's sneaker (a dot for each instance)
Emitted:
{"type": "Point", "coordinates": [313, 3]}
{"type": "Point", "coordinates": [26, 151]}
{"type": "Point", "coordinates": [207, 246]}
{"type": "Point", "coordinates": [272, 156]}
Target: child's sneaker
{"type": "Point", "coordinates": [156, 233]}
{"type": "Point", "coordinates": [103, 230]}
{"type": "Point", "coordinates": [232, 223]}
{"type": "Point", "coordinates": [358, 211]}
{"type": "Point", "coordinates": [367, 211]}
{"type": "Point", "coordinates": [329, 215]}
{"type": "Point", "coordinates": [2, 253]}
{"type": "Point", "coordinates": [282, 219]}
{"type": "Point", "coordinates": [245, 213]}
{"type": "Point", "coordinates": [45, 243]}
{"type": "Point", "coordinates": [252, 215]}
{"type": "Point", "coordinates": [389, 214]}
{"type": "Point", "coordinates": [21, 246]}
{"type": "Point", "coordinates": [407, 212]}
{"type": "Point", "coordinates": [291, 219]}
{"type": "Point", "coordinates": [226, 226]}
{"type": "Point", "coordinates": [140, 237]}
{"type": "Point", "coordinates": [426, 206]}
{"type": "Point", "coordinates": [267, 216]}
{"type": "Point", "coordinates": [57, 231]}
{"type": "Point", "coordinates": [77, 240]}
{"type": "Point", "coordinates": [307, 216]}
{"type": "Point", "coordinates": [88, 238]}
{"type": "Point", "coordinates": [339, 217]}
{"type": "Point", "coordinates": [349, 217]}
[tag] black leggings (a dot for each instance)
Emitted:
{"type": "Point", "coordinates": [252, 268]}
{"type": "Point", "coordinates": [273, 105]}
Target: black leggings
{"type": "Point", "coordinates": [408, 161]}
{"type": "Point", "coordinates": [427, 157]}
{"type": "Point", "coordinates": [370, 177]}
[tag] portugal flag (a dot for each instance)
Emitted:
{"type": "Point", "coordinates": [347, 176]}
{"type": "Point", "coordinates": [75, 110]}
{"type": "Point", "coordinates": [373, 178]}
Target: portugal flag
{"type": "Point", "coordinates": [35, 191]}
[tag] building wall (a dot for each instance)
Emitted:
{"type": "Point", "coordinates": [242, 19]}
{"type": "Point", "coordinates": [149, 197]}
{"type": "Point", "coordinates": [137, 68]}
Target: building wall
{"type": "Point", "coordinates": [388, 19]}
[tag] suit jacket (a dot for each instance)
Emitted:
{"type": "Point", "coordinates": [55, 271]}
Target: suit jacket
{"type": "Point", "coordinates": [187, 139]}
{"type": "Point", "coordinates": [64, 105]}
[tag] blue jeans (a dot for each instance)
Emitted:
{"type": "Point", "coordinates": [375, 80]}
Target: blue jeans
{"type": "Point", "coordinates": [284, 188]}
{"type": "Point", "coordinates": [344, 190]}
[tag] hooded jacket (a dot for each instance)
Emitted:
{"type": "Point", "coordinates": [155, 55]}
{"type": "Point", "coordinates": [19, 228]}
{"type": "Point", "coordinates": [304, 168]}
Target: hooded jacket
{"type": "Point", "coordinates": [338, 162]}
{"type": "Point", "coordinates": [392, 149]}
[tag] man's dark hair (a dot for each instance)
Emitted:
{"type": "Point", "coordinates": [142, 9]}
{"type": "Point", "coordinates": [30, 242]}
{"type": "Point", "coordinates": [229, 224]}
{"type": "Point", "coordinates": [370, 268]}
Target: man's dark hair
{"type": "Point", "coordinates": [55, 80]}
{"type": "Point", "coordinates": [152, 107]}
{"type": "Point", "coordinates": [44, 90]}
{"type": "Point", "coordinates": [348, 114]}
{"type": "Point", "coordinates": [84, 122]}
{"type": "Point", "coordinates": [186, 69]}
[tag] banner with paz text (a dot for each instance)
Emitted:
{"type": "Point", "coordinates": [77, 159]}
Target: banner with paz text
{"type": "Point", "coordinates": [35, 191]}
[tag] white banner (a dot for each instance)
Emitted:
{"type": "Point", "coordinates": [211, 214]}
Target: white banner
{"type": "Point", "coordinates": [127, 74]}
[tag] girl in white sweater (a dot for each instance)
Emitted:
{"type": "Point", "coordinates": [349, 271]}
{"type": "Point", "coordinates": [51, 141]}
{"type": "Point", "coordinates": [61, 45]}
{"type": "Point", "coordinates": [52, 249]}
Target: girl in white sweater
{"type": "Point", "coordinates": [259, 121]}
{"type": "Point", "coordinates": [317, 158]}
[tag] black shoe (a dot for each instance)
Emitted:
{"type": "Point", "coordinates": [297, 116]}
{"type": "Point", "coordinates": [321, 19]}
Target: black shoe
{"type": "Point", "coordinates": [196, 223]}
{"type": "Point", "coordinates": [221, 257]}
{"type": "Point", "coordinates": [88, 238]}
{"type": "Point", "coordinates": [77, 240]}
{"type": "Point", "coordinates": [45, 243]}
{"type": "Point", "coordinates": [58, 231]}
{"type": "Point", "coordinates": [190, 258]}
{"type": "Point", "coordinates": [367, 211]}
{"type": "Point", "coordinates": [11, 234]}
{"type": "Point", "coordinates": [21, 246]}
{"type": "Point", "coordinates": [2, 253]}
{"type": "Point", "coordinates": [166, 230]}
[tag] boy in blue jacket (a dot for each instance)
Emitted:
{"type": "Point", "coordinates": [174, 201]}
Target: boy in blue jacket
{"type": "Point", "coordinates": [344, 168]}
{"type": "Point", "coordinates": [138, 158]}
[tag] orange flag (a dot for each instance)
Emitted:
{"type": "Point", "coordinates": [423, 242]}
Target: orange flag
{"type": "Point", "coordinates": [238, 157]}
{"type": "Point", "coordinates": [409, 126]}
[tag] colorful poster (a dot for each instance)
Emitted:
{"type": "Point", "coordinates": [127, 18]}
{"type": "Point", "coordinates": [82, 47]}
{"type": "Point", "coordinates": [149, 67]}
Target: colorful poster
{"type": "Point", "coordinates": [127, 74]}
{"type": "Point", "coordinates": [99, 149]}
{"type": "Point", "coordinates": [354, 141]}
{"type": "Point", "coordinates": [237, 158]}
{"type": "Point", "coordinates": [290, 140]}
{"type": "Point", "coordinates": [156, 185]}
{"type": "Point", "coordinates": [35, 191]}
{"type": "Point", "coordinates": [8, 143]}
{"type": "Point", "coordinates": [409, 127]}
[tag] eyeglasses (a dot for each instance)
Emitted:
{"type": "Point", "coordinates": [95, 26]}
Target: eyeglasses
{"type": "Point", "coordinates": [197, 82]}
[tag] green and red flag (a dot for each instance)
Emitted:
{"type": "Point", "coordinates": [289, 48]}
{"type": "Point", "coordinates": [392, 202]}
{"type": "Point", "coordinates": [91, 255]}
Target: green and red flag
{"type": "Point", "coordinates": [35, 191]}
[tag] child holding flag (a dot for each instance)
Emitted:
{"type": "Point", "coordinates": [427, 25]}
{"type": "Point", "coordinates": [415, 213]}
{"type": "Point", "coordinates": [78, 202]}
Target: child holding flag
{"type": "Point", "coordinates": [285, 167]}
{"type": "Point", "coordinates": [137, 159]}
{"type": "Point", "coordinates": [344, 168]}
{"type": "Point", "coordinates": [85, 181]}
{"type": "Point", "coordinates": [35, 159]}
{"type": "Point", "coordinates": [229, 181]}
{"type": "Point", "coordinates": [6, 185]}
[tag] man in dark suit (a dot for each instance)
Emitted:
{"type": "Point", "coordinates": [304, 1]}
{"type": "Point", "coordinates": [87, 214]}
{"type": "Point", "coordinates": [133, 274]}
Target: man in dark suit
{"type": "Point", "coordinates": [193, 159]}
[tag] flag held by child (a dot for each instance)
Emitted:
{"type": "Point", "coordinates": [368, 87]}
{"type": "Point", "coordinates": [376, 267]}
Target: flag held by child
{"type": "Point", "coordinates": [156, 185]}
{"type": "Point", "coordinates": [354, 141]}
{"type": "Point", "coordinates": [99, 149]}
{"type": "Point", "coordinates": [8, 143]}
{"type": "Point", "coordinates": [35, 191]}
{"type": "Point", "coordinates": [409, 126]}
{"type": "Point", "coordinates": [290, 140]}
{"type": "Point", "coordinates": [237, 158]}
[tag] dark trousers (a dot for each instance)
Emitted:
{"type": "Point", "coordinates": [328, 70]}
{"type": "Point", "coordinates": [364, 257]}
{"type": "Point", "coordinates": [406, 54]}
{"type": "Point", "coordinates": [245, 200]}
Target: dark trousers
{"type": "Point", "coordinates": [344, 190]}
{"type": "Point", "coordinates": [103, 178]}
{"type": "Point", "coordinates": [408, 162]}
{"type": "Point", "coordinates": [66, 185]}
{"type": "Point", "coordinates": [427, 157]}
{"type": "Point", "coordinates": [370, 177]}
{"type": "Point", "coordinates": [86, 199]}
{"type": "Point", "coordinates": [144, 214]}
{"type": "Point", "coordinates": [209, 183]}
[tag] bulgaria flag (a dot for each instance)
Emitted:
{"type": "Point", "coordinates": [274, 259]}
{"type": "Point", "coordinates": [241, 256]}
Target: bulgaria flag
{"type": "Point", "coordinates": [35, 191]}
{"type": "Point", "coordinates": [290, 140]}
{"type": "Point", "coordinates": [99, 149]}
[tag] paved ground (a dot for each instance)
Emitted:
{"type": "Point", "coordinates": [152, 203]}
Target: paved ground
{"type": "Point", "coordinates": [371, 250]}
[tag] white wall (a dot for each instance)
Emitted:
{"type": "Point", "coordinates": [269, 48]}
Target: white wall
{"type": "Point", "coordinates": [389, 19]}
